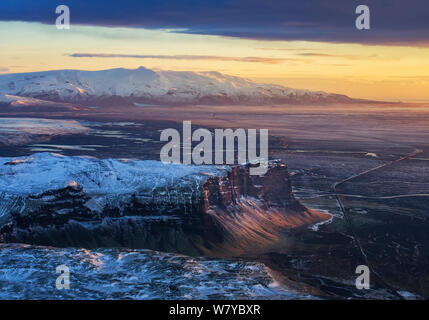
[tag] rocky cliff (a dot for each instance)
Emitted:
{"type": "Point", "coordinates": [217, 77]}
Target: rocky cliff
{"type": "Point", "coordinates": [74, 201]}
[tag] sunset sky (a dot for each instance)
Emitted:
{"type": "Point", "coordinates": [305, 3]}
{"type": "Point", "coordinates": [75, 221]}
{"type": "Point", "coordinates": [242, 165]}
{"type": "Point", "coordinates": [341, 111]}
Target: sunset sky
{"type": "Point", "coordinates": [310, 45]}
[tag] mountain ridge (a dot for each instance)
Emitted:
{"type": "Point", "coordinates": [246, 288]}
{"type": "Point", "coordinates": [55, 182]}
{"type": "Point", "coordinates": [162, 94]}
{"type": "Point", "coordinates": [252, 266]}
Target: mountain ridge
{"type": "Point", "coordinates": [134, 86]}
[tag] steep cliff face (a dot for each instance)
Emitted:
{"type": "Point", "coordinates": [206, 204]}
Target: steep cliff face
{"type": "Point", "coordinates": [271, 190]}
{"type": "Point", "coordinates": [186, 209]}
{"type": "Point", "coordinates": [252, 211]}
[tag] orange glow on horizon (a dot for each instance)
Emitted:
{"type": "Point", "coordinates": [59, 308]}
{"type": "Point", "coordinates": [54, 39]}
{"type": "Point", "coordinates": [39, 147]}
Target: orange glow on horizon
{"type": "Point", "coordinates": [362, 71]}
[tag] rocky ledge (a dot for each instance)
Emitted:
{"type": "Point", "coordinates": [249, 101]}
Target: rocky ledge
{"type": "Point", "coordinates": [53, 200]}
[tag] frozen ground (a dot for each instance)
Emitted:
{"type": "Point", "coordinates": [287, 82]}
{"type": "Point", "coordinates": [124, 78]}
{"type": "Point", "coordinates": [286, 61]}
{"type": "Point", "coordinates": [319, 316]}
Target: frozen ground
{"type": "Point", "coordinates": [29, 272]}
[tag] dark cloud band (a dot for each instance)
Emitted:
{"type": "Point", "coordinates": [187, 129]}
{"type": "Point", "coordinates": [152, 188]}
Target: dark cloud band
{"type": "Point", "coordinates": [392, 21]}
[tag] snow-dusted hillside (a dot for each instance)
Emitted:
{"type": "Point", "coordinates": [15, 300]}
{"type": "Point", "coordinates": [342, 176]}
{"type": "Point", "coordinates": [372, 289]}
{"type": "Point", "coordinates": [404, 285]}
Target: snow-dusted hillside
{"type": "Point", "coordinates": [104, 181]}
{"type": "Point", "coordinates": [21, 103]}
{"type": "Point", "coordinates": [127, 86]}
{"type": "Point", "coordinates": [43, 172]}
{"type": "Point", "coordinates": [19, 131]}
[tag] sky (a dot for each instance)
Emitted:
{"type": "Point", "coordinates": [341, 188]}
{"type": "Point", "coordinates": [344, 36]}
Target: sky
{"type": "Point", "coordinates": [304, 44]}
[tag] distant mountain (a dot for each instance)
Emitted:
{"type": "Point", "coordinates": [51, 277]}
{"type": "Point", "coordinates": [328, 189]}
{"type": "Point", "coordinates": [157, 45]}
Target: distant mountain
{"type": "Point", "coordinates": [21, 103]}
{"type": "Point", "coordinates": [130, 86]}
{"type": "Point", "coordinates": [20, 131]}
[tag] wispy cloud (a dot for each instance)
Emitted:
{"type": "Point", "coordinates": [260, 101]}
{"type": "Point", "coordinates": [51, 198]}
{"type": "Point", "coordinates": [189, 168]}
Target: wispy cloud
{"type": "Point", "coordinates": [284, 49]}
{"type": "Point", "coordinates": [343, 56]}
{"type": "Point", "coordinates": [184, 57]}
{"type": "Point", "coordinates": [3, 69]}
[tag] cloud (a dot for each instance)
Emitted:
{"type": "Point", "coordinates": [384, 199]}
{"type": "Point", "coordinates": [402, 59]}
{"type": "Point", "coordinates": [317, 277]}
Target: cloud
{"type": "Point", "coordinates": [343, 56]}
{"type": "Point", "coordinates": [284, 49]}
{"type": "Point", "coordinates": [182, 57]}
{"type": "Point", "coordinates": [392, 21]}
{"type": "Point", "coordinates": [3, 69]}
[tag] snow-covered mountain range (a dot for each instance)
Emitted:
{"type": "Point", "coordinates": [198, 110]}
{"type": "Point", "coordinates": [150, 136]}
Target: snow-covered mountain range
{"type": "Point", "coordinates": [129, 86]}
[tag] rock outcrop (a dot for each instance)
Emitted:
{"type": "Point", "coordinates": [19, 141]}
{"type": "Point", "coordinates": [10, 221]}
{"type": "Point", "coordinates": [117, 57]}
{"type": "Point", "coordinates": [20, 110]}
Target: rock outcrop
{"type": "Point", "coordinates": [84, 202]}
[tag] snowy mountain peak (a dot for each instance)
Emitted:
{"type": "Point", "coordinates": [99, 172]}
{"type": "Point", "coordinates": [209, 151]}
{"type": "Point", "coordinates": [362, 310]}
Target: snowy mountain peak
{"type": "Point", "coordinates": [142, 85]}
